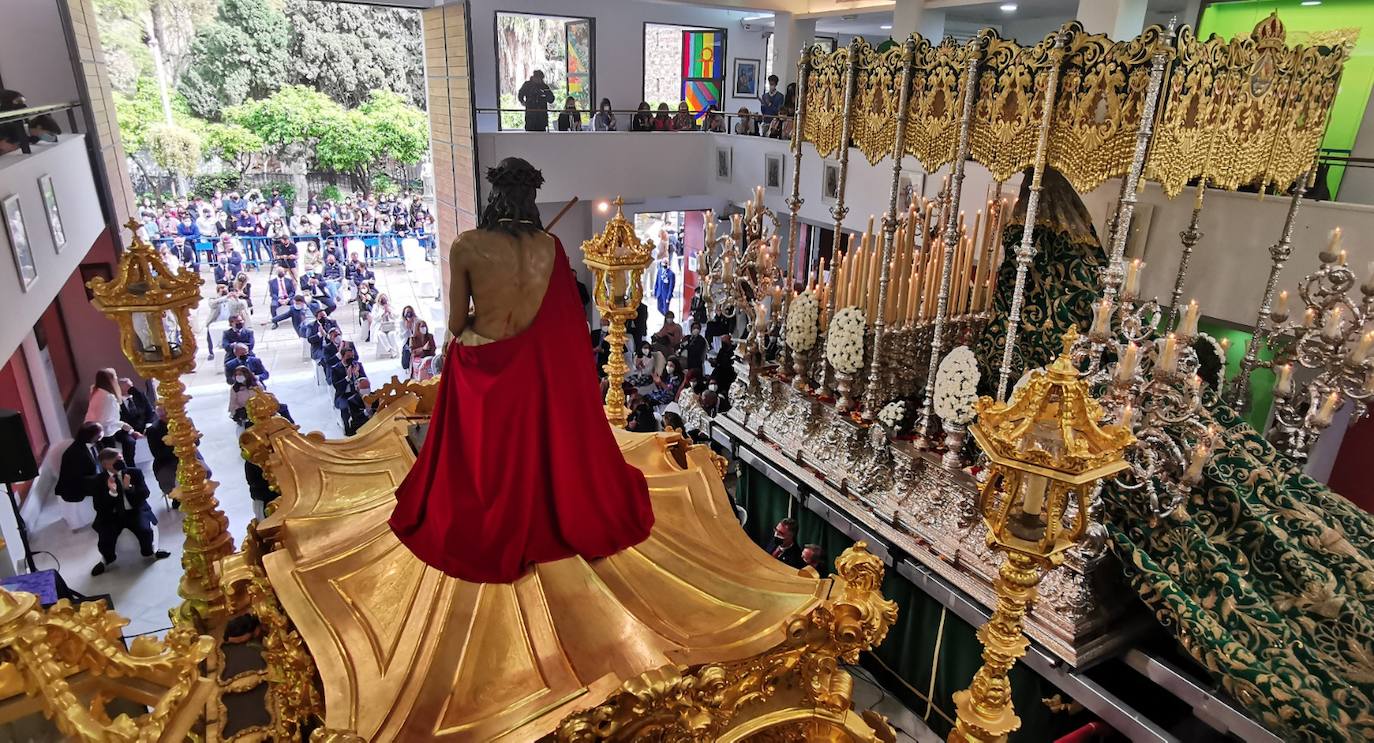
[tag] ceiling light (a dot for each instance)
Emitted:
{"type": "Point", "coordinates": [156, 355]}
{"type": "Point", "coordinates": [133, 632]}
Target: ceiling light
{"type": "Point", "coordinates": [1311, 2]}
{"type": "Point", "coordinates": [1008, 7]}
{"type": "Point", "coordinates": [886, 27]}
{"type": "Point", "coordinates": [603, 206]}
{"type": "Point", "coordinates": [764, 17]}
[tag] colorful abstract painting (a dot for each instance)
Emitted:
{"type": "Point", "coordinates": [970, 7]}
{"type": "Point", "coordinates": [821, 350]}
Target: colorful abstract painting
{"type": "Point", "coordinates": [703, 55]}
{"type": "Point", "coordinates": [701, 96]}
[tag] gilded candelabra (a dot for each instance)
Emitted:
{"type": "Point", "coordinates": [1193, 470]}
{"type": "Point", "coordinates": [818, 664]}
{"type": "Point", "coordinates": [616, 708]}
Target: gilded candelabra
{"type": "Point", "coordinates": [739, 273]}
{"type": "Point", "coordinates": [152, 306]}
{"type": "Point", "coordinates": [1334, 338]}
{"type": "Point", "coordinates": [1047, 452]}
{"type": "Point", "coordinates": [617, 259]}
{"type": "Point", "coordinates": [1152, 387]}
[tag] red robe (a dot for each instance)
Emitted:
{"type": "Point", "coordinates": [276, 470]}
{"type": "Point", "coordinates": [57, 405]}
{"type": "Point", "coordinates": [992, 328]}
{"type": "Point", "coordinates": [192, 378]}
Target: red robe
{"type": "Point", "coordinates": [520, 465]}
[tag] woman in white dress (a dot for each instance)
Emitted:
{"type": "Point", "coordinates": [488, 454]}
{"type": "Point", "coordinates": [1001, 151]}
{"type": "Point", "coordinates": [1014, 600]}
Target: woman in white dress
{"type": "Point", "coordinates": [104, 408]}
{"type": "Point", "coordinates": [384, 328]}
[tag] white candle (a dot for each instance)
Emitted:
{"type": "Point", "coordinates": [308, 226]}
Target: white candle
{"type": "Point", "coordinates": [1127, 416]}
{"type": "Point", "coordinates": [1168, 359]}
{"type": "Point", "coordinates": [1369, 280]}
{"type": "Point", "coordinates": [1280, 312]}
{"type": "Point", "coordinates": [1309, 318]}
{"type": "Point", "coordinates": [1035, 495]}
{"type": "Point", "coordinates": [1201, 453]}
{"type": "Point", "coordinates": [1102, 318]}
{"type": "Point", "coordinates": [1333, 246]}
{"type": "Point", "coordinates": [1283, 385]}
{"type": "Point", "coordinates": [1125, 369]}
{"type": "Point", "coordinates": [1332, 329]}
{"type": "Point", "coordinates": [1188, 327]}
{"type": "Point", "coordinates": [1327, 411]}
{"type": "Point", "coordinates": [1225, 344]}
{"type": "Point", "coordinates": [1361, 351]}
{"type": "Point", "coordinates": [1133, 278]}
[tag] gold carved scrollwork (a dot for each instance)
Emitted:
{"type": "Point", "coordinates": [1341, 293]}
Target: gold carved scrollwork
{"type": "Point", "coordinates": [877, 94]}
{"type": "Point", "coordinates": [1097, 110]}
{"type": "Point", "coordinates": [1248, 110]}
{"type": "Point", "coordinates": [1011, 95]}
{"type": "Point", "coordinates": [723, 701]}
{"type": "Point", "coordinates": [824, 118]}
{"type": "Point", "coordinates": [932, 129]}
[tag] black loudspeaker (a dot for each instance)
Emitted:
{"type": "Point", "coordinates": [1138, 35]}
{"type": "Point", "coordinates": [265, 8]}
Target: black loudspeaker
{"type": "Point", "coordinates": [16, 455]}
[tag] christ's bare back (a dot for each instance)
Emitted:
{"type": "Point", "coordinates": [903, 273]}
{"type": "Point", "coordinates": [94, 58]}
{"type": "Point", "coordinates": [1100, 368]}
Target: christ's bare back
{"type": "Point", "coordinates": [503, 275]}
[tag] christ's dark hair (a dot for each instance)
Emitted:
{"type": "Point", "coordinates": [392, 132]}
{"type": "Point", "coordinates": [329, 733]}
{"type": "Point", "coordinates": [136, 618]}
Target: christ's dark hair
{"type": "Point", "coordinates": [510, 206]}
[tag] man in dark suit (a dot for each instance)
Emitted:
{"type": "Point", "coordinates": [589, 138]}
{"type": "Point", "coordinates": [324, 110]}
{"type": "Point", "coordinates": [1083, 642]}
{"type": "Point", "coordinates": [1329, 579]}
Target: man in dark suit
{"type": "Point", "coordinates": [237, 333]}
{"type": "Point", "coordinates": [784, 544]}
{"type": "Point", "coordinates": [319, 335]}
{"type": "Point", "coordinates": [227, 268]}
{"type": "Point", "coordinates": [80, 470]}
{"type": "Point", "coordinates": [121, 502]}
{"type": "Point", "coordinates": [137, 411]}
{"type": "Point", "coordinates": [281, 288]}
{"type": "Point", "coordinates": [298, 312]}
{"type": "Point", "coordinates": [241, 357]}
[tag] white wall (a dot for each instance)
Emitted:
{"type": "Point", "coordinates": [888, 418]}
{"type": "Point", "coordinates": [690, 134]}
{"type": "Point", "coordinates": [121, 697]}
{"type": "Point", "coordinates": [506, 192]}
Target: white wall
{"type": "Point", "coordinates": [619, 58]}
{"type": "Point", "coordinates": [33, 53]}
{"type": "Point", "coordinates": [70, 168]}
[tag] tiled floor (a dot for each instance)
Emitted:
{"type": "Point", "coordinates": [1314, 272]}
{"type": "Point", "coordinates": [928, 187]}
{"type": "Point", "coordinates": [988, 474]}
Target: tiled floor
{"type": "Point", "coordinates": [144, 591]}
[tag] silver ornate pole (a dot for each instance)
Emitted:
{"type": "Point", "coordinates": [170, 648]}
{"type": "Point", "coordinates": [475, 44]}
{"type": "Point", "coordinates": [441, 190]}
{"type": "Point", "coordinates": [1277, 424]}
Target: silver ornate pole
{"type": "Point", "coordinates": [794, 202]}
{"type": "Point", "coordinates": [1279, 254]}
{"type": "Point", "coordinates": [1111, 278]}
{"type": "Point", "coordinates": [839, 210]}
{"type": "Point", "coordinates": [1189, 237]}
{"type": "Point", "coordinates": [950, 218]}
{"type": "Point", "coordinates": [871, 399]}
{"type": "Point", "coordinates": [1025, 252]}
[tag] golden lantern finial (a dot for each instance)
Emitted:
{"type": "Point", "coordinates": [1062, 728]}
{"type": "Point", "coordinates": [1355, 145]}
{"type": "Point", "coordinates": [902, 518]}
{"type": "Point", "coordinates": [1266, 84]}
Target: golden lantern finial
{"type": "Point", "coordinates": [617, 259]}
{"type": "Point", "coordinates": [1047, 450]}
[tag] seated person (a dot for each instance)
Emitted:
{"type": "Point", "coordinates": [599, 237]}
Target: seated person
{"type": "Point", "coordinates": [316, 293]}
{"type": "Point", "coordinates": [355, 411]}
{"type": "Point", "coordinates": [333, 276]}
{"type": "Point", "coordinates": [237, 333]}
{"type": "Point", "coordinates": [280, 288]}
{"type": "Point", "coordinates": [671, 332]}
{"type": "Point", "coordinates": [318, 332]}
{"type": "Point", "coordinates": [228, 265]}
{"type": "Point", "coordinates": [298, 312]}
{"type": "Point", "coordinates": [242, 357]}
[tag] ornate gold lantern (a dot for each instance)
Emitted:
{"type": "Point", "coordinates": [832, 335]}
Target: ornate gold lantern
{"type": "Point", "coordinates": [152, 306]}
{"type": "Point", "coordinates": [617, 260]}
{"type": "Point", "coordinates": [1047, 452]}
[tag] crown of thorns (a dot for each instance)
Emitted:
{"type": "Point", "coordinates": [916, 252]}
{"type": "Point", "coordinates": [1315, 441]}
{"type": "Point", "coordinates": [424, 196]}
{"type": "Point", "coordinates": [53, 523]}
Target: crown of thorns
{"type": "Point", "coordinates": [506, 176]}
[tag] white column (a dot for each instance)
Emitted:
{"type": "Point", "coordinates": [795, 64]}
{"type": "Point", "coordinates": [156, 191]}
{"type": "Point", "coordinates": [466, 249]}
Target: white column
{"type": "Point", "coordinates": [789, 35]}
{"type": "Point", "coordinates": [910, 16]}
{"type": "Point", "coordinates": [1119, 19]}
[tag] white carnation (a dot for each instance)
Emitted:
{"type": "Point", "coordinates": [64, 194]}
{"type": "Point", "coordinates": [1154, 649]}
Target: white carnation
{"type": "Point", "coordinates": [802, 315]}
{"type": "Point", "coordinates": [844, 343]}
{"type": "Point", "coordinates": [956, 386]}
{"type": "Point", "coordinates": [892, 414]}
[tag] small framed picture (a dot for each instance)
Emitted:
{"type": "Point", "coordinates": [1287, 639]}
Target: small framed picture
{"type": "Point", "coordinates": [724, 163]}
{"type": "Point", "coordinates": [826, 43]}
{"type": "Point", "coordinates": [746, 77]}
{"type": "Point", "coordinates": [773, 163]}
{"type": "Point", "coordinates": [830, 181]}
{"type": "Point", "coordinates": [45, 187]}
{"type": "Point", "coordinates": [19, 241]}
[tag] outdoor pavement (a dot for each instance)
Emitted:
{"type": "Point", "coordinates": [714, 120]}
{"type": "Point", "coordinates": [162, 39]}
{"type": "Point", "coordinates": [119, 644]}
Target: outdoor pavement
{"type": "Point", "coordinates": [144, 591]}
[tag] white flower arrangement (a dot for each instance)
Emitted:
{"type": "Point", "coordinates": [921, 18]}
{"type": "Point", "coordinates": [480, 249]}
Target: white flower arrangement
{"type": "Point", "coordinates": [844, 342]}
{"type": "Point", "coordinates": [956, 386]}
{"type": "Point", "coordinates": [892, 414]}
{"type": "Point", "coordinates": [802, 315]}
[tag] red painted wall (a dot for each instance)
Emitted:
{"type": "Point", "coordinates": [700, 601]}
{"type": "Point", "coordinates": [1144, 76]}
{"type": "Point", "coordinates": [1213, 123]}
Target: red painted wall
{"type": "Point", "coordinates": [93, 337]}
{"type": "Point", "coordinates": [16, 393]}
{"type": "Point", "coordinates": [693, 239]}
{"type": "Point", "coordinates": [1350, 475]}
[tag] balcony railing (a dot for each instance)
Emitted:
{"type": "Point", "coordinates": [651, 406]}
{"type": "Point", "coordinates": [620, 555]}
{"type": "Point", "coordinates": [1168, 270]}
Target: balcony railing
{"type": "Point", "coordinates": [20, 118]}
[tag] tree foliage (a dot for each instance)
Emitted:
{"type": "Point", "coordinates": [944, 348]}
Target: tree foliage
{"type": "Point", "coordinates": [174, 148]}
{"type": "Point", "coordinates": [347, 51]}
{"type": "Point", "coordinates": [242, 54]}
{"type": "Point", "coordinates": [293, 118]}
{"type": "Point", "coordinates": [139, 112]}
{"type": "Point", "coordinates": [232, 143]}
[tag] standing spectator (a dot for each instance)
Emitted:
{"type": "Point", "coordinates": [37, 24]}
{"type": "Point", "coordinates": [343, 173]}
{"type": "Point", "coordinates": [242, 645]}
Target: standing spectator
{"type": "Point", "coordinates": [665, 281]}
{"type": "Point", "coordinates": [366, 299]}
{"type": "Point", "coordinates": [663, 120]}
{"type": "Point", "coordinates": [604, 120]}
{"type": "Point", "coordinates": [135, 409]}
{"type": "Point", "coordinates": [643, 120]}
{"type": "Point", "coordinates": [122, 503]}
{"type": "Point", "coordinates": [104, 408]}
{"type": "Point", "coordinates": [242, 358]}
{"type": "Point", "coordinates": [422, 350]}
{"type": "Point", "coordinates": [694, 348]}
{"type": "Point", "coordinates": [570, 119]}
{"type": "Point", "coordinates": [684, 121]}
{"type": "Point", "coordinates": [207, 224]}
{"type": "Point", "coordinates": [783, 545]}
{"type": "Point", "coordinates": [640, 329]}
{"type": "Point", "coordinates": [284, 253]}
{"type": "Point", "coordinates": [770, 101]}
{"type": "Point", "coordinates": [223, 307]}
{"type": "Point", "coordinates": [235, 204]}
{"type": "Point", "coordinates": [789, 100]}
{"type": "Point", "coordinates": [79, 473]}
{"type": "Point", "coordinates": [384, 327]}
{"type": "Point", "coordinates": [535, 96]}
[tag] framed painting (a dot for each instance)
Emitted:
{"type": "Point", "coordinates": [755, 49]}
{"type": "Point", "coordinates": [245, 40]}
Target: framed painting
{"type": "Point", "coordinates": [45, 187]}
{"type": "Point", "coordinates": [746, 77]}
{"type": "Point", "coordinates": [830, 181]}
{"type": "Point", "coordinates": [773, 164]}
{"type": "Point", "coordinates": [724, 163]}
{"type": "Point", "coordinates": [18, 236]}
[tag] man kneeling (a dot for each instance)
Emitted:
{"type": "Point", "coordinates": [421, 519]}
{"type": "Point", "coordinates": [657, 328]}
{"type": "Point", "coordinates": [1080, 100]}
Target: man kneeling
{"type": "Point", "coordinates": [121, 502]}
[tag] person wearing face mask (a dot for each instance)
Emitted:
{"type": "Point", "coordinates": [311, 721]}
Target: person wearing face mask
{"type": "Point", "coordinates": [422, 350]}
{"type": "Point", "coordinates": [667, 384]}
{"type": "Point", "coordinates": [317, 333]}
{"type": "Point", "coordinates": [408, 320]}
{"type": "Point", "coordinates": [783, 545]}
{"type": "Point", "coordinates": [237, 333]}
{"type": "Point", "coordinates": [694, 349]}
{"type": "Point", "coordinates": [244, 384]}
{"type": "Point", "coordinates": [604, 120]}
{"type": "Point", "coordinates": [647, 364]}
{"type": "Point", "coordinates": [242, 358]}
{"type": "Point", "coordinates": [121, 502]}
{"type": "Point", "coordinates": [222, 307]}
{"type": "Point", "coordinates": [384, 327]}
{"type": "Point", "coordinates": [281, 288]}
{"type": "Point", "coordinates": [356, 411]}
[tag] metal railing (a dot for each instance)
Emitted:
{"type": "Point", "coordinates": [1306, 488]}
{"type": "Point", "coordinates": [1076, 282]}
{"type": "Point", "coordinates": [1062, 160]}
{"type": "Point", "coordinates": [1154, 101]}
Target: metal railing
{"type": "Point", "coordinates": [376, 245]}
{"type": "Point", "coordinates": [759, 124]}
{"type": "Point", "coordinates": [21, 117]}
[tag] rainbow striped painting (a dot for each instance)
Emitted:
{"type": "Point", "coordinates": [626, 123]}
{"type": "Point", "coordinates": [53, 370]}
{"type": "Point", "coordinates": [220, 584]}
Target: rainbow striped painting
{"type": "Point", "coordinates": [701, 96]}
{"type": "Point", "coordinates": [703, 55]}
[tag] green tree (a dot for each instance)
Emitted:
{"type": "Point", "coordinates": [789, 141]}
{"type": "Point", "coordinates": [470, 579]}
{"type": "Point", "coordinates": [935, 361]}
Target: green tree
{"type": "Point", "coordinates": [234, 144]}
{"type": "Point", "coordinates": [401, 130]}
{"type": "Point", "coordinates": [347, 51]}
{"type": "Point", "coordinates": [290, 121]}
{"type": "Point", "coordinates": [176, 150]}
{"type": "Point", "coordinates": [241, 55]}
